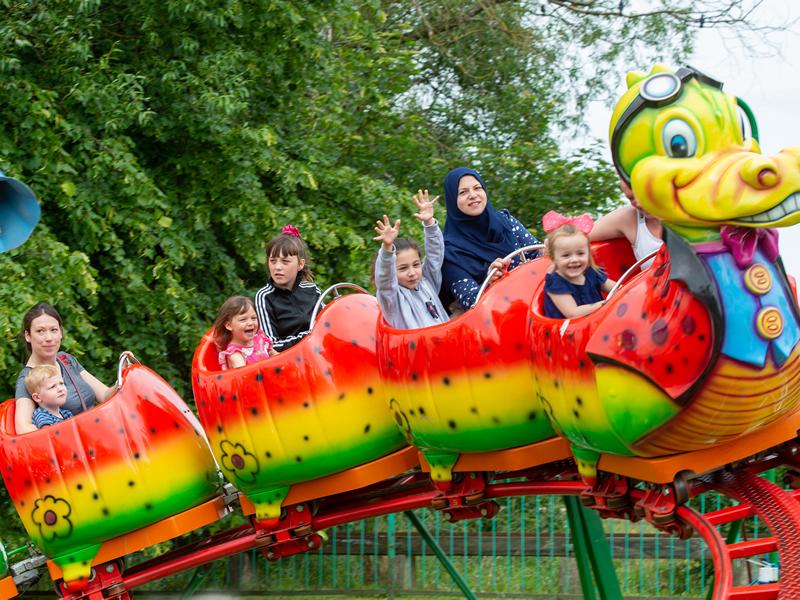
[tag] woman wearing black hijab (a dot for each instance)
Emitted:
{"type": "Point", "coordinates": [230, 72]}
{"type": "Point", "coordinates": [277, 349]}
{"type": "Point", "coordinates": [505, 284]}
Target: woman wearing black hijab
{"type": "Point", "coordinates": [476, 236]}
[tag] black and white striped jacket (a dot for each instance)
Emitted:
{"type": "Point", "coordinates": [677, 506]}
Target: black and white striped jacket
{"type": "Point", "coordinates": [284, 315]}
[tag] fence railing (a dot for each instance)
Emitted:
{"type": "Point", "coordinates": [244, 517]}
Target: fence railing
{"type": "Point", "coordinates": [526, 551]}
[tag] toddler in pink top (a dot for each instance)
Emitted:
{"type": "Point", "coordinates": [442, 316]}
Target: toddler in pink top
{"type": "Point", "coordinates": [236, 333]}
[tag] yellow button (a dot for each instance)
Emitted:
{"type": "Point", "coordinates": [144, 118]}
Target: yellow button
{"type": "Point", "coordinates": [769, 323]}
{"type": "Point", "coordinates": [757, 279]}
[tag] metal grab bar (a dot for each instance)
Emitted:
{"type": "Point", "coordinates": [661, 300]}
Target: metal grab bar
{"type": "Point", "coordinates": [509, 257]}
{"type": "Point", "coordinates": [126, 359]}
{"type": "Point", "coordinates": [626, 275]}
{"type": "Point", "coordinates": [334, 288]}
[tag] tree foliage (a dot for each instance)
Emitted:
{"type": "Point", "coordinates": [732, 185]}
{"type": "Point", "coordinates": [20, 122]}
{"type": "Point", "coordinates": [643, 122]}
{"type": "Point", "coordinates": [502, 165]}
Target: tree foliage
{"type": "Point", "coordinates": [168, 140]}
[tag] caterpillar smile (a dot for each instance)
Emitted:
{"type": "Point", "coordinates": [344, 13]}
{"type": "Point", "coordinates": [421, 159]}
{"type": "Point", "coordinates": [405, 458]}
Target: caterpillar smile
{"type": "Point", "coordinates": [789, 206]}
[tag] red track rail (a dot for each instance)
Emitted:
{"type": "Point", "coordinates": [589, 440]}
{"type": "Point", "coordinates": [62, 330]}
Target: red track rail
{"type": "Point", "coordinates": [472, 495]}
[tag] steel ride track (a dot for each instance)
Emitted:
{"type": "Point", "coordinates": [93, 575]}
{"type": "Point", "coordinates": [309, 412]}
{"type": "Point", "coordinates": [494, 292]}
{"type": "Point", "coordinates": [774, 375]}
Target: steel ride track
{"type": "Point", "coordinates": [473, 494]}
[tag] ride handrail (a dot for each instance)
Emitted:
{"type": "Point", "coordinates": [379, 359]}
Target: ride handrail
{"type": "Point", "coordinates": [626, 275]}
{"type": "Point", "coordinates": [505, 258]}
{"type": "Point", "coordinates": [334, 288]}
{"type": "Point", "coordinates": [125, 360]}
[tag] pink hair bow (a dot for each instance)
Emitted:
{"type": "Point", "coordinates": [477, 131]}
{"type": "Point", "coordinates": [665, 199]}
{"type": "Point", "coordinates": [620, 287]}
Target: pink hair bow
{"type": "Point", "coordinates": [291, 230]}
{"type": "Point", "coordinates": [552, 221]}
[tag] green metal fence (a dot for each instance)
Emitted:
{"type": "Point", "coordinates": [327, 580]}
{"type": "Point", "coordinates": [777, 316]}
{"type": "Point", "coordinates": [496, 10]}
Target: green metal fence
{"type": "Point", "coordinates": [526, 551]}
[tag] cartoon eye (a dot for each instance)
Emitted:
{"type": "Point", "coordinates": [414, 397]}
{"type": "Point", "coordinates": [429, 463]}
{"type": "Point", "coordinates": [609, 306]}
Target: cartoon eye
{"type": "Point", "coordinates": [679, 139]}
{"type": "Point", "coordinates": [745, 128]}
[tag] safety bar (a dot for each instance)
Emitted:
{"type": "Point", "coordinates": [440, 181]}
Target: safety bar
{"type": "Point", "coordinates": [509, 257]}
{"type": "Point", "coordinates": [335, 289]}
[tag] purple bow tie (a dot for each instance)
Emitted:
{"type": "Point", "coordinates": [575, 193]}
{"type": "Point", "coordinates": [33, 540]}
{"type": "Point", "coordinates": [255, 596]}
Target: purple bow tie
{"type": "Point", "coordinates": [743, 242]}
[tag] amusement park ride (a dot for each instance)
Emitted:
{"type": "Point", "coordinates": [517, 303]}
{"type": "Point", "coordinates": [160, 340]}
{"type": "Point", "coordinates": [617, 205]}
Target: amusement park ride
{"type": "Point", "coordinates": [684, 381]}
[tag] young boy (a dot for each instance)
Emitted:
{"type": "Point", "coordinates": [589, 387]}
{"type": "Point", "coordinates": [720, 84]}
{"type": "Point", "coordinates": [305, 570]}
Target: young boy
{"type": "Point", "coordinates": [47, 389]}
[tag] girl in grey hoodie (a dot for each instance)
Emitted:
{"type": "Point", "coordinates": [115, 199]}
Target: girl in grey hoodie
{"type": "Point", "coordinates": [407, 287]}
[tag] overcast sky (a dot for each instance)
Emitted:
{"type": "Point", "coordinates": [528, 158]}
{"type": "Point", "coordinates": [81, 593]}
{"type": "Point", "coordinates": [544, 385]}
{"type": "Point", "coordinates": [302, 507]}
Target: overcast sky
{"type": "Point", "coordinates": [765, 72]}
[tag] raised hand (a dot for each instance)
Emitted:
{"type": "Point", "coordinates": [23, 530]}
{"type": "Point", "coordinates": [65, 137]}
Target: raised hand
{"type": "Point", "coordinates": [424, 206]}
{"type": "Point", "coordinates": [387, 233]}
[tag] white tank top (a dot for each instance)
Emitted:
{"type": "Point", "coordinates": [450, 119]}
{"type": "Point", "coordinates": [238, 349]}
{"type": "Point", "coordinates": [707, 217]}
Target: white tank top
{"type": "Point", "coordinates": [646, 242]}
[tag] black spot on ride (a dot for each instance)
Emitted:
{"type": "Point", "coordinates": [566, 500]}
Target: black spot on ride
{"type": "Point", "coordinates": [473, 410]}
{"type": "Point", "coordinates": [688, 325]}
{"type": "Point", "coordinates": [298, 458]}
{"type": "Point", "coordinates": [532, 415]}
{"type": "Point", "coordinates": [278, 370]}
{"type": "Point", "coordinates": [259, 377]}
{"type": "Point", "coordinates": [622, 308]}
{"type": "Point", "coordinates": [627, 339]}
{"type": "Point", "coordinates": [254, 411]}
{"type": "Point", "coordinates": [446, 380]}
{"type": "Point", "coordinates": [659, 332]}
{"type": "Point", "coordinates": [367, 427]}
{"type": "Point", "coordinates": [327, 323]}
{"type": "Point", "coordinates": [452, 424]}
{"type": "Point", "coordinates": [487, 375]}
{"type": "Point", "coordinates": [579, 401]}
{"type": "Point", "coordinates": [421, 411]}
{"type": "Point", "coordinates": [369, 391]}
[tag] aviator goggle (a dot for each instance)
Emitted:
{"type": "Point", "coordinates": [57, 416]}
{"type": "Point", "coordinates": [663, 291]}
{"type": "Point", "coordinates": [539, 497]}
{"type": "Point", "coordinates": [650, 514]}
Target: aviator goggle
{"type": "Point", "coordinates": [662, 89]}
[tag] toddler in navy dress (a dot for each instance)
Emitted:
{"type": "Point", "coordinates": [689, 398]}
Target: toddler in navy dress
{"type": "Point", "coordinates": [574, 287]}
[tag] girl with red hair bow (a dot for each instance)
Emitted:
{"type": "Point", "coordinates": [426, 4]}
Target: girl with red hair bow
{"type": "Point", "coordinates": [574, 287]}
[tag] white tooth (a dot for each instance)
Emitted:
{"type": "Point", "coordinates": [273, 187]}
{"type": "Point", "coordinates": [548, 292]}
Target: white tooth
{"type": "Point", "coordinates": [775, 213]}
{"type": "Point", "coordinates": [790, 204]}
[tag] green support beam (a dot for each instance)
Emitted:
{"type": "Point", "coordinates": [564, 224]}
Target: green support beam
{"type": "Point", "coordinates": [595, 567]}
{"type": "Point", "coordinates": [437, 550]}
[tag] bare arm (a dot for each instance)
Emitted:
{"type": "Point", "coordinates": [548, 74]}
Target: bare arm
{"type": "Point", "coordinates": [565, 303]}
{"type": "Point", "coordinates": [618, 223]}
{"type": "Point", "coordinates": [23, 415]}
{"type": "Point", "coordinates": [101, 391]}
{"type": "Point", "coordinates": [608, 285]}
{"type": "Point", "coordinates": [236, 360]}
